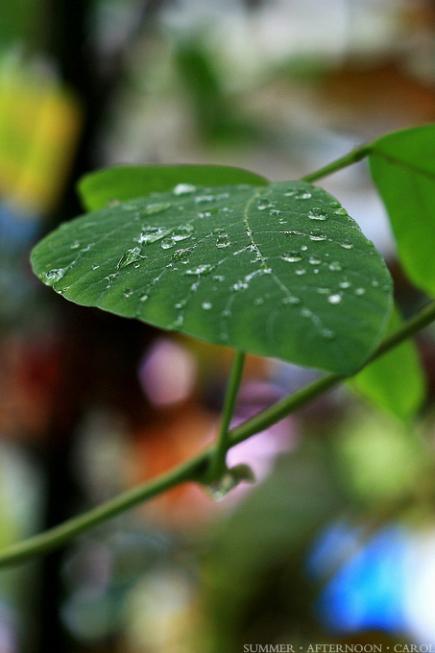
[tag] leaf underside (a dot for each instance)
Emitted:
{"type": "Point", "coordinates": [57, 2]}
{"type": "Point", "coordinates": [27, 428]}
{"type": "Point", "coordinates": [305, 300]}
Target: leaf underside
{"type": "Point", "coordinates": [278, 270]}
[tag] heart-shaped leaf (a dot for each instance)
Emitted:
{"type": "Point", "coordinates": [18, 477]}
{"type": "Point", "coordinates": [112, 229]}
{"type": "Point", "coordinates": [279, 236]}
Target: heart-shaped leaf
{"type": "Point", "coordinates": [403, 169]}
{"type": "Point", "coordinates": [120, 183]}
{"type": "Point", "coordinates": [279, 270]}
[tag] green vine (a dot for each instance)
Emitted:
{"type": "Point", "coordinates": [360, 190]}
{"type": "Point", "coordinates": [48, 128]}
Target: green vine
{"type": "Point", "coordinates": [210, 465]}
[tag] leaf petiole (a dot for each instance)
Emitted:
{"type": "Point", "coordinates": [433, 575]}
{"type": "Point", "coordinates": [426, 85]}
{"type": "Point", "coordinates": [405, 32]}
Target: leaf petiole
{"type": "Point", "coordinates": [345, 161]}
{"type": "Point", "coordinates": [218, 462]}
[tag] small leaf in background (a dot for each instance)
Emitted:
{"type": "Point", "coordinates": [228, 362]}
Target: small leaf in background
{"type": "Point", "coordinates": [216, 117]}
{"type": "Point", "coordinates": [403, 169]}
{"type": "Point", "coordinates": [379, 459]}
{"type": "Point", "coordinates": [120, 183]}
{"type": "Point", "coordinates": [395, 382]}
{"type": "Point", "coordinates": [278, 271]}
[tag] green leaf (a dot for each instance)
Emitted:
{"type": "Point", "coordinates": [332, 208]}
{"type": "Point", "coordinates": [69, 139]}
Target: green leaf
{"type": "Point", "coordinates": [403, 169]}
{"type": "Point", "coordinates": [120, 183]}
{"type": "Point", "coordinates": [278, 271]}
{"type": "Point", "coordinates": [382, 382]}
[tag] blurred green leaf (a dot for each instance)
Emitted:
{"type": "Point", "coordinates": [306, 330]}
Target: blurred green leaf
{"type": "Point", "coordinates": [20, 22]}
{"type": "Point", "coordinates": [215, 114]}
{"type": "Point", "coordinates": [278, 271]}
{"type": "Point", "coordinates": [99, 189]}
{"type": "Point", "coordinates": [403, 169]}
{"type": "Point", "coordinates": [380, 458]}
{"type": "Point", "coordinates": [260, 549]}
{"type": "Point", "coordinates": [395, 382]}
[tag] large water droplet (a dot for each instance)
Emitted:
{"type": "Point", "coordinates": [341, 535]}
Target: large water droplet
{"type": "Point", "coordinates": [151, 235]}
{"type": "Point", "coordinates": [240, 285]}
{"type": "Point", "coordinates": [184, 189]}
{"type": "Point", "coordinates": [182, 254]}
{"type": "Point", "coordinates": [130, 256]}
{"type": "Point", "coordinates": [291, 257]}
{"type": "Point", "coordinates": [156, 207]}
{"type": "Point", "coordinates": [203, 199]}
{"type": "Point", "coordinates": [317, 235]}
{"type": "Point", "coordinates": [346, 245]}
{"type": "Point", "coordinates": [54, 275]}
{"type": "Point", "coordinates": [207, 306]}
{"type": "Point", "coordinates": [291, 299]}
{"type": "Point", "coordinates": [222, 241]}
{"type": "Point", "coordinates": [317, 214]}
{"type": "Point", "coordinates": [345, 284]}
{"type": "Point", "coordinates": [183, 232]}
{"type": "Point", "coordinates": [168, 243]}
{"type": "Point", "coordinates": [205, 268]}
{"type": "Point", "coordinates": [335, 298]}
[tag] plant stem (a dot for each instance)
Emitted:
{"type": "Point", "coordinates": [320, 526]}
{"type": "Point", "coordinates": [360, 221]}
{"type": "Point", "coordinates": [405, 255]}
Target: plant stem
{"type": "Point", "coordinates": [218, 463]}
{"type": "Point", "coordinates": [343, 162]}
{"type": "Point", "coordinates": [195, 468]}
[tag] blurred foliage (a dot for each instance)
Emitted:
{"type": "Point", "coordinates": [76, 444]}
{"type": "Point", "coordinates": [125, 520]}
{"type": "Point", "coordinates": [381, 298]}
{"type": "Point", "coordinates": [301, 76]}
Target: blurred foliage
{"type": "Point", "coordinates": [260, 550]}
{"type": "Point", "coordinates": [284, 89]}
{"type": "Point", "coordinates": [20, 23]}
{"type": "Point", "coordinates": [216, 116]}
{"type": "Point", "coordinates": [382, 381]}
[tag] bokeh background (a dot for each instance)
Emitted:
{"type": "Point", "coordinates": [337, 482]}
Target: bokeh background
{"type": "Point", "coordinates": [335, 542]}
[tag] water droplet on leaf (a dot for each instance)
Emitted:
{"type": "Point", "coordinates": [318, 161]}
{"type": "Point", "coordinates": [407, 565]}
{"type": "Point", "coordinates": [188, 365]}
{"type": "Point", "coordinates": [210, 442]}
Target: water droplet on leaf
{"type": "Point", "coordinates": [157, 207]}
{"type": "Point", "coordinates": [291, 257]}
{"type": "Point", "coordinates": [129, 257]}
{"type": "Point", "coordinates": [317, 214]}
{"type": "Point", "coordinates": [205, 268]}
{"type": "Point", "coordinates": [335, 298]}
{"type": "Point", "coordinates": [54, 275]}
{"type": "Point", "coordinates": [184, 189]}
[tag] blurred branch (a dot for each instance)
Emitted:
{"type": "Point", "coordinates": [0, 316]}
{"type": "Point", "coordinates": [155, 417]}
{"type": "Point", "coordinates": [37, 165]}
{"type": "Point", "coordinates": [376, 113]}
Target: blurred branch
{"type": "Point", "coordinates": [197, 468]}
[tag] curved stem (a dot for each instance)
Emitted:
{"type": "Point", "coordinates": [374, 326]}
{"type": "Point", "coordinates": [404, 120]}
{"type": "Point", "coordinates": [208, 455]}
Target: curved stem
{"type": "Point", "coordinates": [218, 464]}
{"type": "Point", "coordinates": [195, 468]}
{"type": "Point", "coordinates": [343, 162]}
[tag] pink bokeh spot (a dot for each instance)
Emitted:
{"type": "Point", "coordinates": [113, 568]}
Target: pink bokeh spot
{"type": "Point", "coordinates": [260, 451]}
